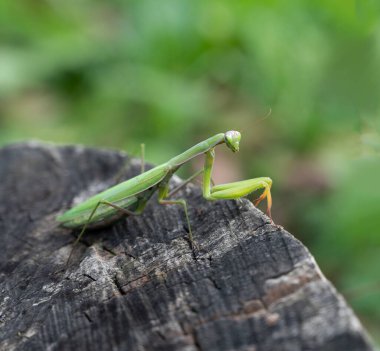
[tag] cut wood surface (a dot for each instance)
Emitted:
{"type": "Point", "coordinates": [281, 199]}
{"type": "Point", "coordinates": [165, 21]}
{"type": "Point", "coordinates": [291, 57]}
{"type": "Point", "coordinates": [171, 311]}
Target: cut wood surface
{"type": "Point", "coordinates": [136, 285]}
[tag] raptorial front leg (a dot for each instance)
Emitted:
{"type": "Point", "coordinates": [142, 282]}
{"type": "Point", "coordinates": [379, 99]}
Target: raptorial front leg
{"type": "Point", "coordinates": [238, 190]}
{"type": "Point", "coordinates": [234, 190]}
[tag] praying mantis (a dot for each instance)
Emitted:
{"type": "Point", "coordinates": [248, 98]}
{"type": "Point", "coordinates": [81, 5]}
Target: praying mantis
{"type": "Point", "coordinates": [131, 196]}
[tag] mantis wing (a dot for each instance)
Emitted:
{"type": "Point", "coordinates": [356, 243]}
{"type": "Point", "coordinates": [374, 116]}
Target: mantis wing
{"type": "Point", "coordinates": [124, 194]}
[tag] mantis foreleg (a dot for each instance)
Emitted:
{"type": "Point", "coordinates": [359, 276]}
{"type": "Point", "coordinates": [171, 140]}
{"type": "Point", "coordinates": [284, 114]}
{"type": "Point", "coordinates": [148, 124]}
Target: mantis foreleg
{"type": "Point", "coordinates": [234, 190]}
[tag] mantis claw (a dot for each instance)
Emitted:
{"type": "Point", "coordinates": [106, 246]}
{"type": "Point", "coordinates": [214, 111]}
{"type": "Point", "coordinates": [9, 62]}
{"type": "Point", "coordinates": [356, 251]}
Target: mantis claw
{"type": "Point", "coordinates": [266, 195]}
{"type": "Point", "coordinates": [194, 246]}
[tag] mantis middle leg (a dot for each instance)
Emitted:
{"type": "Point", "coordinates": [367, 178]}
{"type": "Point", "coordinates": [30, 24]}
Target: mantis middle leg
{"type": "Point", "coordinates": [185, 182]}
{"type": "Point", "coordinates": [163, 194]}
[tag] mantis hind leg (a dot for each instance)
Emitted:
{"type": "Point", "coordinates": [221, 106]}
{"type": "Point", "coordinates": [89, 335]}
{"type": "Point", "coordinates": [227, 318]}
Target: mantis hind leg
{"type": "Point", "coordinates": [102, 202]}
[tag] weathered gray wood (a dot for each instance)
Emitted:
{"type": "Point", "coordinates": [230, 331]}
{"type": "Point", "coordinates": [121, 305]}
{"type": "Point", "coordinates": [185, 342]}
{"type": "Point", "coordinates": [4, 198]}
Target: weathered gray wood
{"type": "Point", "coordinates": [137, 286]}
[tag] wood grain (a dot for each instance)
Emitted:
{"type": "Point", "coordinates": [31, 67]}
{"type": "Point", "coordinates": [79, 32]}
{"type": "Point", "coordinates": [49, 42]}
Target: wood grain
{"type": "Point", "coordinates": [136, 285]}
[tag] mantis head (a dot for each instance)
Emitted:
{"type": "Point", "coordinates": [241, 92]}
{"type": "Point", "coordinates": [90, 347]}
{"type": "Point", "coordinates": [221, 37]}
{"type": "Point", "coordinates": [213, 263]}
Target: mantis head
{"type": "Point", "coordinates": [232, 139]}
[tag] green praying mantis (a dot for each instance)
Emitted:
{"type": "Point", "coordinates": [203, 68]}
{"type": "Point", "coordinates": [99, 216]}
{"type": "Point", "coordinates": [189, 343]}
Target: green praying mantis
{"type": "Point", "coordinates": [131, 196]}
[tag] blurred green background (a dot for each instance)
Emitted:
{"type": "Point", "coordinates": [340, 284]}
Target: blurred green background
{"type": "Point", "coordinates": [172, 72]}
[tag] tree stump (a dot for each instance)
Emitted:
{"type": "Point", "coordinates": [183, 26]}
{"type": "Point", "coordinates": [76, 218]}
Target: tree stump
{"type": "Point", "coordinates": [137, 285]}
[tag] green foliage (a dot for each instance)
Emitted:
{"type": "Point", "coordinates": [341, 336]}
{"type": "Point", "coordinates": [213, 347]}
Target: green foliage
{"type": "Point", "coordinates": [171, 72]}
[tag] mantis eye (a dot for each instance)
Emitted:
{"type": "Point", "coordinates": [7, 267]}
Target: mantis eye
{"type": "Point", "coordinates": [232, 139]}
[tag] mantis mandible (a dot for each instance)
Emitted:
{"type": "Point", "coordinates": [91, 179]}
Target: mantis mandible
{"type": "Point", "coordinates": [131, 196]}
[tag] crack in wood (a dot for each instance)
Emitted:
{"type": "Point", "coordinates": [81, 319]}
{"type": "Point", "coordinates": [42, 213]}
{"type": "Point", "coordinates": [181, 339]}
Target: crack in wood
{"type": "Point", "coordinates": [87, 316]}
{"type": "Point", "coordinates": [104, 248]}
{"type": "Point", "coordinates": [89, 276]}
{"type": "Point", "coordinates": [118, 285]}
